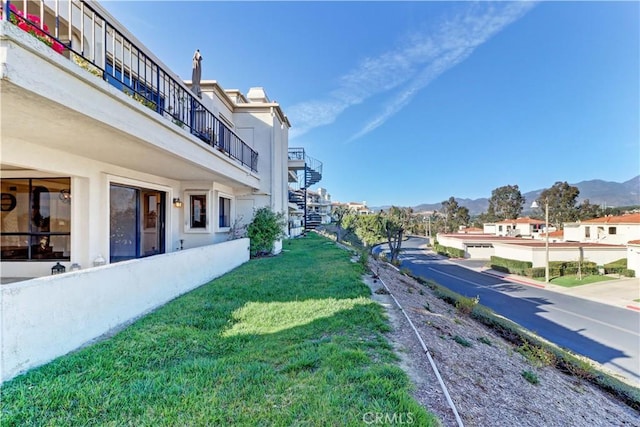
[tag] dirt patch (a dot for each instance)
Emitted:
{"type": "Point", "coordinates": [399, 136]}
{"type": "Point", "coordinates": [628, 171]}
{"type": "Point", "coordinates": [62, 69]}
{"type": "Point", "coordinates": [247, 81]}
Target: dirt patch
{"type": "Point", "coordinates": [482, 372]}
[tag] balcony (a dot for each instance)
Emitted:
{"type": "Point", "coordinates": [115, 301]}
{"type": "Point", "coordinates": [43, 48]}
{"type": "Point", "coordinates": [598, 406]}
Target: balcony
{"type": "Point", "coordinates": [77, 32]}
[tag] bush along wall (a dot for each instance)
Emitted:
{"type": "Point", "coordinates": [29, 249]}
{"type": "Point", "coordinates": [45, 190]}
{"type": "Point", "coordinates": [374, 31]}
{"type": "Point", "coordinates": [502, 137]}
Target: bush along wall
{"type": "Point", "coordinates": [556, 268]}
{"type": "Point", "coordinates": [512, 266]}
{"type": "Point", "coordinates": [568, 268]}
{"type": "Point", "coordinates": [448, 251]}
{"type": "Point", "coordinates": [619, 267]}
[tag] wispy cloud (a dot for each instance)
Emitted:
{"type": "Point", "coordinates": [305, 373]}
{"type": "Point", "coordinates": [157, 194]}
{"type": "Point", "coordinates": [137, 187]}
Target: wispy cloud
{"type": "Point", "coordinates": [410, 68]}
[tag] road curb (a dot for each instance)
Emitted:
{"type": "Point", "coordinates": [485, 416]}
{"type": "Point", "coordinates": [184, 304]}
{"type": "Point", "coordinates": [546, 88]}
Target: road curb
{"type": "Point", "coordinates": [522, 282]}
{"type": "Point", "coordinates": [633, 307]}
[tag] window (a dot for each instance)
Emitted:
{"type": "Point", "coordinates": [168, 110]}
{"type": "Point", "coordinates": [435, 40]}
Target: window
{"type": "Point", "coordinates": [36, 219]}
{"type": "Point", "coordinates": [612, 230]}
{"type": "Point", "coordinates": [587, 232]}
{"type": "Point", "coordinates": [224, 212]}
{"type": "Point", "coordinates": [197, 211]}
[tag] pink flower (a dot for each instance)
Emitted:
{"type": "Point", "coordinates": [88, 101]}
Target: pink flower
{"type": "Point", "coordinates": [58, 47]}
{"type": "Point", "coordinates": [14, 9]}
{"type": "Point", "coordinates": [33, 18]}
{"type": "Point", "coordinates": [33, 27]}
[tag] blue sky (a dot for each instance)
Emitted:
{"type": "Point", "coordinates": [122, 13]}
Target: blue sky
{"type": "Point", "coordinates": [414, 102]}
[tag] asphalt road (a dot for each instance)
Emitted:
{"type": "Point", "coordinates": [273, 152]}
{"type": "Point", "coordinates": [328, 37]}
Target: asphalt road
{"type": "Point", "coordinates": [601, 332]}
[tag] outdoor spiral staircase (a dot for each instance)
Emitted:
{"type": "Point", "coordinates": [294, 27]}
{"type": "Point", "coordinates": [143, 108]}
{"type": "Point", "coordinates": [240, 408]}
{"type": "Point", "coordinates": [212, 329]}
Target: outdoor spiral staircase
{"type": "Point", "coordinates": [305, 172]}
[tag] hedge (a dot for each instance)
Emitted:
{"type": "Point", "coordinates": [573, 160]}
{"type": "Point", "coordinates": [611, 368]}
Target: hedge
{"type": "Point", "coordinates": [556, 268]}
{"type": "Point", "coordinates": [448, 251]}
{"type": "Point", "coordinates": [512, 266]}
{"type": "Point", "coordinates": [619, 267]}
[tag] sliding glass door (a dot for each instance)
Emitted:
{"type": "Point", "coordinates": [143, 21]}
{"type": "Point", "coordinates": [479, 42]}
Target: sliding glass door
{"type": "Point", "coordinates": [137, 222]}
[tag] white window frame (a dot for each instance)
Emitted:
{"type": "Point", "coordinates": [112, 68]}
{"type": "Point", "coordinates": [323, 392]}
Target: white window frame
{"type": "Point", "coordinates": [187, 211]}
{"type": "Point", "coordinates": [232, 208]}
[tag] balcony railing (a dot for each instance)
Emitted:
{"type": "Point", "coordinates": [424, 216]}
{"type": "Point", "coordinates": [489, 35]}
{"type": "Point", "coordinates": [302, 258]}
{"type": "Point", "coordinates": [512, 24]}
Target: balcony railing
{"type": "Point", "coordinates": [80, 33]}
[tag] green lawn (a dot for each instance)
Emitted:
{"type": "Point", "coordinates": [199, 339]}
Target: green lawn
{"type": "Point", "coordinates": [571, 281]}
{"type": "Point", "coordinates": [287, 340]}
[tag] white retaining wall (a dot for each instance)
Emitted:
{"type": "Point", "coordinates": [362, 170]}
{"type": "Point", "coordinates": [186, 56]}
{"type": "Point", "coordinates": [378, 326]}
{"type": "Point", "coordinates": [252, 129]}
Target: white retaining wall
{"type": "Point", "coordinates": [47, 317]}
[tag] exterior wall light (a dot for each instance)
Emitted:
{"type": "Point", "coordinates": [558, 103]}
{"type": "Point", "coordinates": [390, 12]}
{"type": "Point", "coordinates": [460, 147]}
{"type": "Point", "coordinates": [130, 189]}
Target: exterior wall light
{"type": "Point", "coordinates": [177, 202]}
{"type": "Point", "coordinates": [99, 261]}
{"type": "Point", "coordinates": [58, 268]}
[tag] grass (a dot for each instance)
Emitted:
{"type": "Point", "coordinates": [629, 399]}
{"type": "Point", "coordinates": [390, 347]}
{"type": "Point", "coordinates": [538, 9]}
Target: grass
{"type": "Point", "coordinates": [286, 340]}
{"type": "Point", "coordinates": [532, 377]}
{"type": "Point", "coordinates": [463, 342]}
{"type": "Point", "coordinates": [571, 281]}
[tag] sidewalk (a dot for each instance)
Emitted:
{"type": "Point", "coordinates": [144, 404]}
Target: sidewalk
{"type": "Point", "coordinates": [617, 292]}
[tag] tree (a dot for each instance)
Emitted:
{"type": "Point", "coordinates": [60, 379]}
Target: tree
{"type": "Point", "coordinates": [454, 215]}
{"type": "Point", "coordinates": [561, 199]}
{"type": "Point", "coordinates": [265, 228]}
{"type": "Point", "coordinates": [506, 202]}
{"type": "Point", "coordinates": [369, 230]}
{"type": "Point", "coordinates": [339, 213]}
{"type": "Point", "coordinates": [395, 223]}
{"type": "Point", "coordinates": [588, 211]}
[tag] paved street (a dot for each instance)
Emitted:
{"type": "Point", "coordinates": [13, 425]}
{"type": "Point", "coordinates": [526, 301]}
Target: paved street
{"type": "Point", "coordinates": [604, 332]}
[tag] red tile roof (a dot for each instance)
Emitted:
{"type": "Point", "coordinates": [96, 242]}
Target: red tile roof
{"type": "Point", "coordinates": [557, 233]}
{"type": "Point", "coordinates": [471, 230]}
{"type": "Point", "coordinates": [527, 242]}
{"type": "Point", "coordinates": [523, 220]}
{"type": "Point", "coordinates": [620, 219]}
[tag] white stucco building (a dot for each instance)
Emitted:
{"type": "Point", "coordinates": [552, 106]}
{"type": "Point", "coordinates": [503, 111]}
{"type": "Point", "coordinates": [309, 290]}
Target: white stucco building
{"type": "Point", "coordinates": [115, 169]}
{"type": "Point", "coordinates": [617, 230]}
{"type": "Point", "coordinates": [520, 227]}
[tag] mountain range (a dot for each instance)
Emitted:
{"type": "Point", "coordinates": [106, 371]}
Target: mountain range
{"type": "Point", "coordinates": [597, 191]}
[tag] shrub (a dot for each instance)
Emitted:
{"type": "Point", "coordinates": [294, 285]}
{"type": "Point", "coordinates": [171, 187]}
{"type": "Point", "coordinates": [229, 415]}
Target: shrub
{"type": "Point", "coordinates": [448, 251]}
{"type": "Point", "coordinates": [531, 377]}
{"type": "Point", "coordinates": [537, 355]}
{"type": "Point", "coordinates": [463, 342]}
{"type": "Point", "coordinates": [363, 260]}
{"type": "Point", "coordinates": [465, 305]}
{"type": "Point", "coordinates": [485, 340]}
{"type": "Point", "coordinates": [567, 268]}
{"type": "Point", "coordinates": [266, 227]}
{"type": "Point", "coordinates": [627, 272]}
{"type": "Point", "coordinates": [512, 266]}
{"type": "Point", "coordinates": [616, 267]}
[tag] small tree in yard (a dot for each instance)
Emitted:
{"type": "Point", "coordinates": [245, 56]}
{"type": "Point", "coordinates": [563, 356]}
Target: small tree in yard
{"type": "Point", "coordinates": [267, 227]}
{"type": "Point", "coordinates": [395, 222]}
{"type": "Point", "coordinates": [339, 214]}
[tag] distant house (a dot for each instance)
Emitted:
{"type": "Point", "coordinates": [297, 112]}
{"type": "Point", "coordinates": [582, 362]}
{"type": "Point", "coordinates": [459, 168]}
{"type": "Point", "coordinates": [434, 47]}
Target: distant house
{"type": "Point", "coordinates": [484, 246]}
{"type": "Point", "coordinates": [471, 230]}
{"type": "Point", "coordinates": [521, 227]}
{"type": "Point", "coordinates": [318, 207]}
{"type": "Point", "coordinates": [359, 208]}
{"type": "Point", "coordinates": [617, 230]}
{"type": "Point", "coordinates": [534, 251]}
{"type": "Point", "coordinates": [554, 236]}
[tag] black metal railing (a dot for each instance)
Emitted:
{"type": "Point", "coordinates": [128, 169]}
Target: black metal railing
{"type": "Point", "coordinates": [83, 35]}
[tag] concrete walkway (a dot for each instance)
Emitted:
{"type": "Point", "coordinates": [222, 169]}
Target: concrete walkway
{"type": "Point", "coordinates": [616, 292]}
